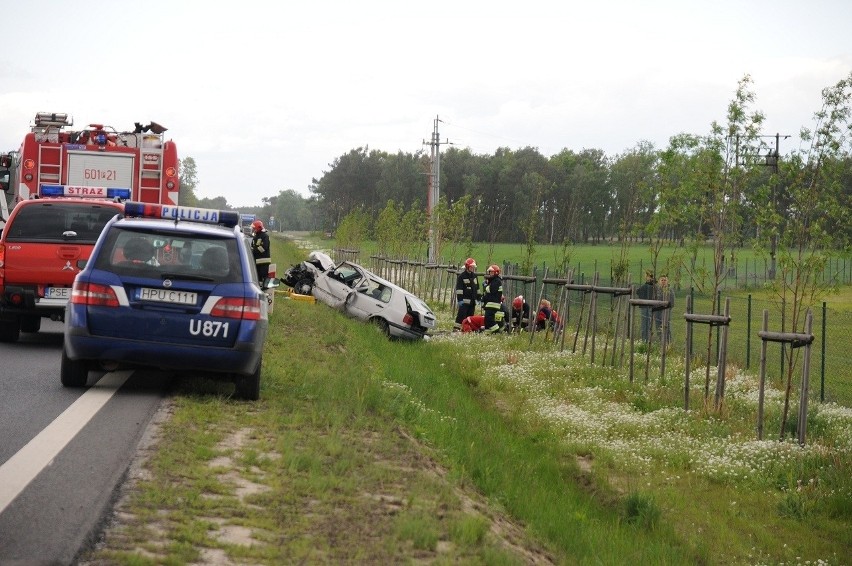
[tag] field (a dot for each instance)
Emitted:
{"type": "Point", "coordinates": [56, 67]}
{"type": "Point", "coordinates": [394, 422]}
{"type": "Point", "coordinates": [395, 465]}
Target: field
{"type": "Point", "coordinates": [473, 449]}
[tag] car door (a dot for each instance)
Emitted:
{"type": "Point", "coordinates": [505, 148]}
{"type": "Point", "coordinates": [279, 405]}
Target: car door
{"type": "Point", "coordinates": [335, 287]}
{"type": "Point", "coordinates": [371, 298]}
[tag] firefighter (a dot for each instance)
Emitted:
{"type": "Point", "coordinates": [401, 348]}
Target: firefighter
{"type": "Point", "coordinates": [520, 313]}
{"type": "Point", "coordinates": [492, 300]}
{"type": "Point", "coordinates": [467, 293]}
{"type": "Point", "coordinates": [546, 315]}
{"type": "Point", "coordinates": [261, 251]}
{"type": "Point", "coordinates": [473, 323]}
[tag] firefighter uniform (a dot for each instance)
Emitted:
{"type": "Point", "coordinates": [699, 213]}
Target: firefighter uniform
{"type": "Point", "coordinates": [520, 314]}
{"type": "Point", "coordinates": [261, 251]}
{"type": "Point", "coordinates": [467, 293]}
{"type": "Point", "coordinates": [492, 300]}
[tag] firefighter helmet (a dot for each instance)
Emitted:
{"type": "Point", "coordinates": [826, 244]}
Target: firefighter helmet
{"type": "Point", "coordinates": [470, 263]}
{"type": "Point", "coordinates": [495, 269]}
{"type": "Point", "coordinates": [518, 303]}
{"type": "Point", "coordinates": [257, 225]}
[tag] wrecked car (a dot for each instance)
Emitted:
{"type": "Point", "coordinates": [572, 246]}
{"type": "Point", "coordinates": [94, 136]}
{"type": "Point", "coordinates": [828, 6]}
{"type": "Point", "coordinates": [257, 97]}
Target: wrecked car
{"type": "Point", "coordinates": [363, 295]}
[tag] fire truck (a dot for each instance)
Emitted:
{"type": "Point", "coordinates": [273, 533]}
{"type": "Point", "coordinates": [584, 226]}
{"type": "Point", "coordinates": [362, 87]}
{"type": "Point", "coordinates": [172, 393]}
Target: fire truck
{"type": "Point", "coordinates": [8, 165]}
{"type": "Point", "coordinates": [97, 156]}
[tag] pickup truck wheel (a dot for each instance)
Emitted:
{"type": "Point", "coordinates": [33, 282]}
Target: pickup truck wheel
{"type": "Point", "coordinates": [10, 329]}
{"type": "Point", "coordinates": [248, 386]}
{"type": "Point", "coordinates": [73, 373]}
{"type": "Point", "coordinates": [30, 323]}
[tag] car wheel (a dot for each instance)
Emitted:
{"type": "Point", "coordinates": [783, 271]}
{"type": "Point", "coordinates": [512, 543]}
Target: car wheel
{"type": "Point", "coordinates": [383, 326]}
{"type": "Point", "coordinates": [248, 386]}
{"type": "Point", "coordinates": [73, 373]}
{"type": "Point", "coordinates": [304, 286]}
{"type": "Point", "coordinates": [10, 329]}
{"type": "Point", "coordinates": [30, 323]}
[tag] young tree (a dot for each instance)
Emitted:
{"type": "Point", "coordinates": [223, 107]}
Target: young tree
{"type": "Point", "coordinates": [188, 177]}
{"type": "Point", "coordinates": [809, 187]}
{"type": "Point", "coordinates": [702, 183]}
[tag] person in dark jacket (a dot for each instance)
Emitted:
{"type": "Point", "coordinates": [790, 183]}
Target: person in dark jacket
{"type": "Point", "coordinates": [547, 316]}
{"type": "Point", "coordinates": [663, 315]}
{"type": "Point", "coordinates": [492, 300]}
{"type": "Point", "coordinates": [261, 251]}
{"type": "Point", "coordinates": [467, 292]}
{"type": "Point", "coordinates": [648, 291]}
{"type": "Point", "coordinates": [520, 313]}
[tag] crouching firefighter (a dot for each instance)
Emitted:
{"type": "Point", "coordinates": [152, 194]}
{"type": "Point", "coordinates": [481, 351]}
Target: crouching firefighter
{"type": "Point", "coordinates": [492, 300]}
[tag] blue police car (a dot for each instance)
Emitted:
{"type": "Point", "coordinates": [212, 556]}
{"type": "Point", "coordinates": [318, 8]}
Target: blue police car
{"type": "Point", "coordinates": [169, 287]}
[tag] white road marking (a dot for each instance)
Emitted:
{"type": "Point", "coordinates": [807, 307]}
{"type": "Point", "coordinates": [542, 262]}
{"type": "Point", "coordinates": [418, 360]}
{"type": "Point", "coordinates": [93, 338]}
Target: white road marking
{"type": "Point", "coordinates": [29, 461]}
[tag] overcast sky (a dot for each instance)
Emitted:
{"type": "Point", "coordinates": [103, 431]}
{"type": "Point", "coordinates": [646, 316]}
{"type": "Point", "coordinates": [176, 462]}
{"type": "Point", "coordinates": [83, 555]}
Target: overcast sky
{"type": "Point", "coordinates": [264, 95]}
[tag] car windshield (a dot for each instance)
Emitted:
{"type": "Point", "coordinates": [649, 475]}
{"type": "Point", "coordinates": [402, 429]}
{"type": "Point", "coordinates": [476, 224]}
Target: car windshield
{"type": "Point", "coordinates": [60, 222]}
{"type": "Point", "coordinates": [347, 274]}
{"type": "Point", "coordinates": [174, 255]}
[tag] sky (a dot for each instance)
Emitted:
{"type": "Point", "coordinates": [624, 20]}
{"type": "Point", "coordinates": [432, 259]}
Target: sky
{"type": "Point", "coordinates": [265, 95]}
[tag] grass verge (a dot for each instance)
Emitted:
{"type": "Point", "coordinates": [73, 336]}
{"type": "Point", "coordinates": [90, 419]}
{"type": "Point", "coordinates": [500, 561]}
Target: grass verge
{"type": "Point", "coordinates": [472, 449]}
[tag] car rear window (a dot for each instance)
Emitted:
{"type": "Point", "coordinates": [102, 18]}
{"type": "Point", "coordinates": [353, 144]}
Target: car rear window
{"type": "Point", "coordinates": [59, 222]}
{"type": "Point", "coordinates": [170, 254]}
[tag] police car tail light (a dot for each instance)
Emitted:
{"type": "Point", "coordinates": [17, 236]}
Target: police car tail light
{"type": "Point", "coordinates": [408, 319]}
{"type": "Point", "coordinates": [227, 218]}
{"type": "Point", "coordinates": [93, 294]}
{"type": "Point", "coordinates": [237, 307]}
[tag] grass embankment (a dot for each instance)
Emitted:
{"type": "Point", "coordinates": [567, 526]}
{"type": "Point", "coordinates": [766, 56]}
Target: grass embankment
{"type": "Point", "coordinates": [476, 449]}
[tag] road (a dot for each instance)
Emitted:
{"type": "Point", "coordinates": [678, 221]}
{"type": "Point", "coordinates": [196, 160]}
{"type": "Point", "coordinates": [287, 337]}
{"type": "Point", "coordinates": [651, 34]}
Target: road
{"type": "Point", "coordinates": [63, 452]}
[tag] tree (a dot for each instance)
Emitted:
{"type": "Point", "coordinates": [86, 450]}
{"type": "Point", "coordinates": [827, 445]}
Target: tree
{"type": "Point", "coordinates": [188, 179]}
{"type": "Point", "coordinates": [702, 186]}
{"type": "Point", "coordinates": [814, 204]}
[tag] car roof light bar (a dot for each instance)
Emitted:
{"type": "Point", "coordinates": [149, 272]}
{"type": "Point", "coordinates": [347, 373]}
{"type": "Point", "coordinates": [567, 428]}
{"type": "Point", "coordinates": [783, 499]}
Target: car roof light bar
{"type": "Point", "coordinates": [227, 218]}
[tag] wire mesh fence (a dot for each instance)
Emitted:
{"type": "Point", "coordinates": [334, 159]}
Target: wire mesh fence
{"type": "Point", "coordinates": [831, 357]}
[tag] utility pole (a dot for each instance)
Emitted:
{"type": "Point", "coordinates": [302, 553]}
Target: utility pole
{"type": "Point", "coordinates": [434, 191]}
{"type": "Point", "coordinates": [772, 160]}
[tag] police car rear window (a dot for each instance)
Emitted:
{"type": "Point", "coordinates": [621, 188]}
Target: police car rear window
{"type": "Point", "coordinates": [171, 254]}
{"type": "Point", "coordinates": [59, 222]}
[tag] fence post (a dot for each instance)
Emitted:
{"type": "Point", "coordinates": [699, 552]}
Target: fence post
{"type": "Point", "coordinates": [748, 333]}
{"type": "Point", "coordinates": [822, 352]}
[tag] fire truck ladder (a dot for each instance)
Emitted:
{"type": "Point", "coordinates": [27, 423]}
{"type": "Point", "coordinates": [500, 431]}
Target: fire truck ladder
{"type": "Point", "coordinates": [151, 169]}
{"type": "Point", "coordinates": [50, 164]}
{"type": "Point", "coordinates": [46, 130]}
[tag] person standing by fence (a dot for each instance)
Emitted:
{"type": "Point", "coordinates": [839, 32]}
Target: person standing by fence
{"type": "Point", "coordinates": [467, 293]}
{"type": "Point", "coordinates": [663, 315]}
{"type": "Point", "coordinates": [648, 291]}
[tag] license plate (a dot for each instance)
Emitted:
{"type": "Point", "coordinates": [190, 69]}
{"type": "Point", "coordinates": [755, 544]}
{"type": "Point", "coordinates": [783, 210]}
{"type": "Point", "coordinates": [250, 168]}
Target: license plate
{"type": "Point", "coordinates": [168, 296]}
{"type": "Point", "coordinates": [57, 293]}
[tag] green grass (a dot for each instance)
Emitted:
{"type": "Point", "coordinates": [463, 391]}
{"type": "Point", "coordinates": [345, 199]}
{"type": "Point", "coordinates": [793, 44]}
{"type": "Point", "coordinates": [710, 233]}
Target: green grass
{"type": "Point", "coordinates": [477, 450]}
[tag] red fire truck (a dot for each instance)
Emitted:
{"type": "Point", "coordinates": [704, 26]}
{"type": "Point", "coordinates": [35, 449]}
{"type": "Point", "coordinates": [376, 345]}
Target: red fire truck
{"type": "Point", "coordinates": [97, 156]}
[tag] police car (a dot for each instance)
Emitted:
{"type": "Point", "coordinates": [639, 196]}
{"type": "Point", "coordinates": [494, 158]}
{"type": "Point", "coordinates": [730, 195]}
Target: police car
{"type": "Point", "coordinates": [169, 287]}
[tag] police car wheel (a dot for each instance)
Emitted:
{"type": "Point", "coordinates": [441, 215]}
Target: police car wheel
{"type": "Point", "coordinates": [73, 373]}
{"type": "Point", "coordinates": [248, 386]}
{"type": "Point", "coordinates": [10, 330]}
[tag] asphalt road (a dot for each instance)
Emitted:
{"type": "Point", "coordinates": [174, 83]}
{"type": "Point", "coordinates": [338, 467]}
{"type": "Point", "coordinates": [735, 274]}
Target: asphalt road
{"type": "Point", "coordinates": [63, 452]}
